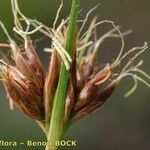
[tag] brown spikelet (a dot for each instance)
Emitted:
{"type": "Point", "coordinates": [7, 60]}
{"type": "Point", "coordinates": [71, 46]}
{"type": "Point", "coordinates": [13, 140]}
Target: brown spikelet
{"type": "Point", "coordinates": [51, 83]}
{"type": "Point", "coordinates": [69, 102]}
{"type": "Point", "coordinates": [24, 82]}
{"type": "Point", "coordinates": [21, 102]}
{"type": "Point", "coordinates": [101, 97]}
{"type": "Point", "coordinates": [91, 88]}
{"type": "Point", "coordinates": [28, 96]}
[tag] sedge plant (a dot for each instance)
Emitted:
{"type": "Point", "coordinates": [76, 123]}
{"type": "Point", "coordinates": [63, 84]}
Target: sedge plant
{"type": "Point", "coordinates": [74, 84]}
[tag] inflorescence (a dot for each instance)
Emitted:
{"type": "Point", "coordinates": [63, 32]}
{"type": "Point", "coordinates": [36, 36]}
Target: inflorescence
{"type": "Point", "coordinates": [32, 90]}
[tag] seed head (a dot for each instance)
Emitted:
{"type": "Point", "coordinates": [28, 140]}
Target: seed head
{"type": "Point", "coordinates": [32, 90]}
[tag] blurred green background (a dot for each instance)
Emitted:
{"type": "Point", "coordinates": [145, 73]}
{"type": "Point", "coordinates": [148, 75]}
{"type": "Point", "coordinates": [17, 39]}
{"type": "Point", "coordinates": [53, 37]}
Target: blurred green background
{"type": "Point", "coordinates": [121, 124]}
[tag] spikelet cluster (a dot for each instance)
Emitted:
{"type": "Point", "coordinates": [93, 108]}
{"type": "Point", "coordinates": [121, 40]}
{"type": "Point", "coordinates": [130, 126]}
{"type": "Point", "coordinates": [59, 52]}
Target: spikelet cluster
{"type": "Point", "coordinates": [31, 89]}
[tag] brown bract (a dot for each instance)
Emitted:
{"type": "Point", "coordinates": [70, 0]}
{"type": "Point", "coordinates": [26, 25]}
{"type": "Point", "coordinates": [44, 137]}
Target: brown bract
{"type": "Point", "coordinates": [50, 84]}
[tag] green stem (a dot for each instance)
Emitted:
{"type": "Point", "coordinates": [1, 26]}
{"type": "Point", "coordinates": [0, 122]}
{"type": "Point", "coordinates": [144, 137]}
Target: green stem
{"type": "Point", "coordinates": [57, 115]}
